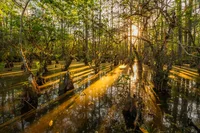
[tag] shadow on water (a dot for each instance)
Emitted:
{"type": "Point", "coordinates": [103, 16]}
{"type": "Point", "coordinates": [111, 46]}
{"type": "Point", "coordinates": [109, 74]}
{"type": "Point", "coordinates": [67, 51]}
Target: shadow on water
{"type": "Point", "coordinates": [127, 101]}
{"type": "Point", "coordinates": [24, 109]}
{"type": "Point", "coordinates": [181, 107]}
{"type": "Point", "coordinates": [111, 109]}
{"type": "Point", "coordinates": [174, 111]}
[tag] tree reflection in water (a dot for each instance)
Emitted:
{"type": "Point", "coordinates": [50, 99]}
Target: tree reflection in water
{"type": "Point", "coordinates": [100, 107]}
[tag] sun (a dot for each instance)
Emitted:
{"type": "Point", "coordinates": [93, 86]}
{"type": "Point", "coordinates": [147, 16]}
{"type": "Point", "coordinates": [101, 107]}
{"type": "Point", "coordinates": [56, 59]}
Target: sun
{"type": "Point", "coordinates": [134, 30]}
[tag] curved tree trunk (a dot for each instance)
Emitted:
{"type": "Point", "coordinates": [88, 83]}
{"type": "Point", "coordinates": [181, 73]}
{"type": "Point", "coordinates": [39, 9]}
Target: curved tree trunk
{"type": "Point", "coordinates": [32, 79]}
{"type": "Point", "coordinates": [68, 62]}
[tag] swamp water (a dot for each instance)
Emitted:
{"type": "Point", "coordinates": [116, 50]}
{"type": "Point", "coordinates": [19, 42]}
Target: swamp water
{"type": "Point", "coordinates": [99, 107]}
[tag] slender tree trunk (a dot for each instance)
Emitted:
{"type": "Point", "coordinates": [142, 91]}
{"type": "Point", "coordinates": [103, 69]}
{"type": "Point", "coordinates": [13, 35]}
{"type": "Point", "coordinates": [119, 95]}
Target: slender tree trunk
{"type": "Point", "coordinates": [186, 25]}
{"type": "Point", "coordinates": [190, 30]}
{"type": "Point", "coordinates": [86, 35]}
{"type": "Point", "coordinates": [190, 23]}
{"type": "Point", "coordinates": [21, 37]}
{"type": "Point", "coordinates": [99, 45]}
{"type": "Point", "coordinates": [131, 43]}
{"type": "Point", "coordinates": [179, 23]}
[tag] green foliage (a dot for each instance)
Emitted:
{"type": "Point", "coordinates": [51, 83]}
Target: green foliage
{"type": "Point", "coordinates": [37, 64]}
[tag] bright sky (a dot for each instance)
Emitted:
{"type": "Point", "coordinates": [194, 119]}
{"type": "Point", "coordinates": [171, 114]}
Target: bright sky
{"type": "Point", "coordinates": [134, 30]}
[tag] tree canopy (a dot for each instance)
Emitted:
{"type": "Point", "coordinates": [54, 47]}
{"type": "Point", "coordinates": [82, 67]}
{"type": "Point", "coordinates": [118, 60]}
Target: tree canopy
{"type": "Point", "coordinates": [167, 32]}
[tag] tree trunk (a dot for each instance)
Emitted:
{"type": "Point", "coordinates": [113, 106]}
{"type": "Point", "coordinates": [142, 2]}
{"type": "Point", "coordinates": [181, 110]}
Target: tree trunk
{"type": "Point", "coordinates": [179, 23]}
{"type": "Point", "coordinates": [21, 37]}
{"type": "Point", "coordinates": [86, 36]}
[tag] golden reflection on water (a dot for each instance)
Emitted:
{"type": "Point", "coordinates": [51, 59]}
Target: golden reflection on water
{"type": "Point", "coordinates": [78, 105]}
{"type": "Point", "coordinates": [72, 114]}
